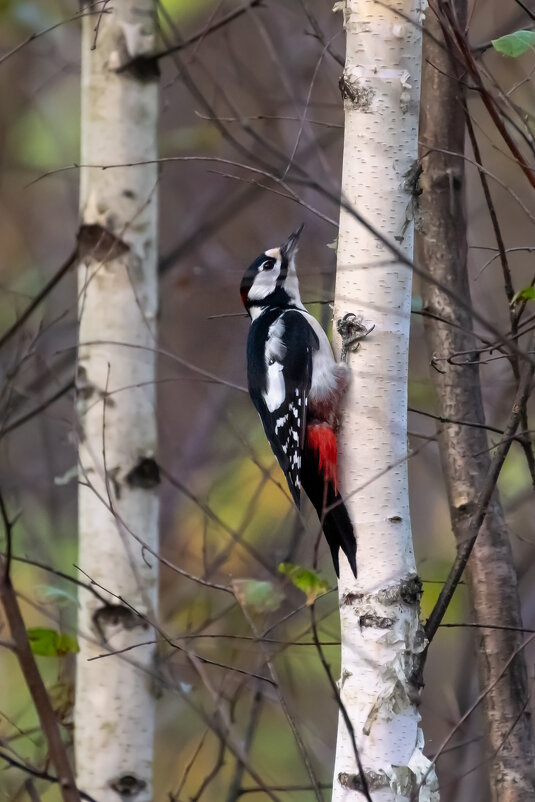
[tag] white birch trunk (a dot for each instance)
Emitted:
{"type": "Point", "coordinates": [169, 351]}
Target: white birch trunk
{"type": "Point", "coordinates": [380, 611]}
{"type": "Point", "coordinates": [114, 709]}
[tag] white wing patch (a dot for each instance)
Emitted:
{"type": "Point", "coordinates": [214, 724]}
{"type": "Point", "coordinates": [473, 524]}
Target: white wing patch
{"type": "Point", "coordinates": [275, 347]}
{"type": "Point", "coordinates": [275, 391]}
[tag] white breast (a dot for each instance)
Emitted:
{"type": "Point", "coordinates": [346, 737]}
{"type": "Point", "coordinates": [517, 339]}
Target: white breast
{"type": "Point", "coordinates": [324, 369]}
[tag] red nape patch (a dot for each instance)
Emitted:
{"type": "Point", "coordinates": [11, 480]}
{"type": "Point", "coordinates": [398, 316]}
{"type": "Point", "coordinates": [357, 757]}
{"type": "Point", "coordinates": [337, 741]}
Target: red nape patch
{"type": "Point", "coordinates": [322, 441]}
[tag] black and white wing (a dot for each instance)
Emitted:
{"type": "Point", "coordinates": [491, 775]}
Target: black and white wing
{"type": "Point", "coordinates": [279, 366]}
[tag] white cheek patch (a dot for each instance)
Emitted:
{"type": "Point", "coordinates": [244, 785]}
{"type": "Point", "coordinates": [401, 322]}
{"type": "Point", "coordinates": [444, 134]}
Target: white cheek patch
{"type": "Point", "coordinates": [265, 281]}
{"type": "Point", "coordinates": [264, 284]}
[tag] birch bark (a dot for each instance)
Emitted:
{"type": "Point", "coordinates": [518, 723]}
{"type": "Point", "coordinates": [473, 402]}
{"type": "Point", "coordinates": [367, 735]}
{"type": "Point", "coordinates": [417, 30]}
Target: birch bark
{"type": "Point", "coordinates": [114, 709]}
{"type": "Point", "coordinates": [379, 612]}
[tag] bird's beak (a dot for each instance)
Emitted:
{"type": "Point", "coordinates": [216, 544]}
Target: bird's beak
{"type": "Point", "coordinates": [290, 246]}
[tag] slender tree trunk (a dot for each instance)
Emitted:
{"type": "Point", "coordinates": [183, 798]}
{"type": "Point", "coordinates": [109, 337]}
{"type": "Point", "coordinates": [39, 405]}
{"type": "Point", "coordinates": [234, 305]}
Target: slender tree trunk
{"type": "Point", "coordinates": [114, 717]}
{"type": "Point", "coordinates": [464, 450]}
{"type": "Point", "coordinates": [379, 612]}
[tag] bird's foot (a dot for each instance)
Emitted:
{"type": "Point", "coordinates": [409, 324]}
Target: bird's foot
{"type": "Point", "coordinates": [352, 330]}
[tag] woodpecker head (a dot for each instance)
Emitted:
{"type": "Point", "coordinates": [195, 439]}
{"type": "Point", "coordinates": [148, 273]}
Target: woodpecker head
{"type": "Point", "coordinates": [271, 279]}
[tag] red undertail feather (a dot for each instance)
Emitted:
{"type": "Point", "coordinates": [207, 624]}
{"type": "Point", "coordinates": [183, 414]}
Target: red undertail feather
{"type": "Point", "coordinates": [322, 441]}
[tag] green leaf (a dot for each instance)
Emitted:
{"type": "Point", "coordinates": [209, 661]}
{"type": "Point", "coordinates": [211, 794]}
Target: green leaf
{"type": "Point", "coordinates": [66, 644]}
{"type": "Point", "coordinates": [527, 294]}
{"type": "Point", "coordinates": [263, 596]}
{"type": "Point", "coordinates": [333, 245]}
{"type": "Point", "coordinates": [306, 580]}
{"type": "Point", "coordinates": [43, 641]}
{"type": "Point", "coordinates": [515, 44]}
{"type": "Point", "coordinates": [49, 643]}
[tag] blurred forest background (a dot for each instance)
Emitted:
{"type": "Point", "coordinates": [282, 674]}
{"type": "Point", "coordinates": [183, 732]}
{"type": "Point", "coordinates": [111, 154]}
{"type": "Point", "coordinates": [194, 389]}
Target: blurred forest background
{"type": "Point", "coordinates": [260, 90]}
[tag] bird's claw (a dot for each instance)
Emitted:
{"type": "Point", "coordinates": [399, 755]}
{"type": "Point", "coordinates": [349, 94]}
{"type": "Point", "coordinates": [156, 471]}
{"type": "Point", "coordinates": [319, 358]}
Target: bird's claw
{"type": "Point", "coordinates": [352, 330]}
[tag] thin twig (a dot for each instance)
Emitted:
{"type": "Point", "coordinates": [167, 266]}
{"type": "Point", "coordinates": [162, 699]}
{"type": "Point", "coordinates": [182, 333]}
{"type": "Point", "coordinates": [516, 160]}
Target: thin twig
{"type": "Point", "coordinates": [33, 36]}
{"type": "Point", "coordinates": [49, 286]}
{"type": "Point", "coordinates": [9, 427]}
{"type": "Point", "coordinates": [41, 775]}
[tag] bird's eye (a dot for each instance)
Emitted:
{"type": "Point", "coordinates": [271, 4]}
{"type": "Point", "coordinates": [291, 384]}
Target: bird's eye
{"type": "Point", "coordinates": [269, 264]}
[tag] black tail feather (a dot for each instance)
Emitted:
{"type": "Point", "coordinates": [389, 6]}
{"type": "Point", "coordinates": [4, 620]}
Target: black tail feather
{"type": "Point", "coordinates": [339, 533]}
{"type": "Point", "coordinates": [331, 510]}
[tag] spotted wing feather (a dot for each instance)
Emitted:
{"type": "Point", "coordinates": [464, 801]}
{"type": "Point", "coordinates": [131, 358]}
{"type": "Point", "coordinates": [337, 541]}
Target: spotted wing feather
{"type": "Point", "coordinates": [279, 384]}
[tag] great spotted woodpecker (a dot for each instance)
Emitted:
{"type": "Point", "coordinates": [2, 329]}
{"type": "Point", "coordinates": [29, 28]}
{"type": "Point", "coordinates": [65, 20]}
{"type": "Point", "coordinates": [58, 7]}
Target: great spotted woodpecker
{"type": "Point", "coordinates": [296, 387]}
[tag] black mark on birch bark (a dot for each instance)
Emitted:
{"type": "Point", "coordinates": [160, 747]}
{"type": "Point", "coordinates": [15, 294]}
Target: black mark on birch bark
{"type": "Point", "coordinates": [350, 598]}
{"type": "Point", "coordinates": [410, 590]}
{"type": "Point", "coordinates": [140, 68]}
{"type": "Point", "coordinates": [352, 90]}
{"type": "Point", "coordinates": [146, 474]}
{"type": "Point", "coordinates": [375, 780]}
{"type": "Point", "coordinates": [127, 785]}
{"type": "Point", "coordinates": [375, 621]}
{"type": "Point", "coordinates": [96, 242]}
{"type": "Point", "coordinates": [84, 388]}
{"type": "Point", "coordinates": [116, 615]}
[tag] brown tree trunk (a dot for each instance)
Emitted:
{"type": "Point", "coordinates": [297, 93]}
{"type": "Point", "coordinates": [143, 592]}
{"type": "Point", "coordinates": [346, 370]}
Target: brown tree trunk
{"type": "Point", "coordinates": [464, 450]}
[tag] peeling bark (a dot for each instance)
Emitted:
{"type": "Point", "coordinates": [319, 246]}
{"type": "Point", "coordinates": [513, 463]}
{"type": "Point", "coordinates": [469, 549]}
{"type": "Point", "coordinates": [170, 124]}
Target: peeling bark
{"type": "Point", "coordinates": [464, 449]}
{"type": "Point", "coordinates": [379, 612]}
{"type": "Point", "coordinates": [119, 477]}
